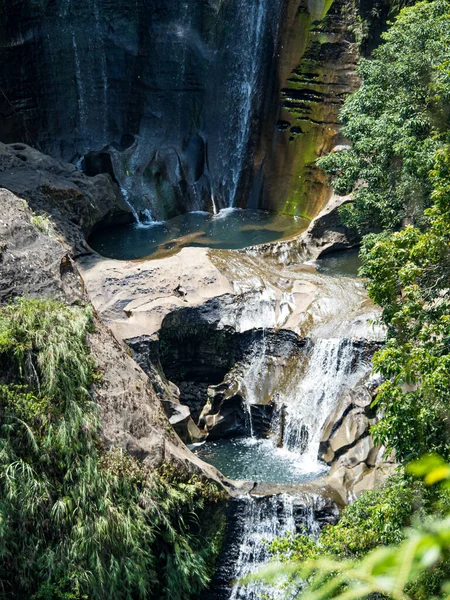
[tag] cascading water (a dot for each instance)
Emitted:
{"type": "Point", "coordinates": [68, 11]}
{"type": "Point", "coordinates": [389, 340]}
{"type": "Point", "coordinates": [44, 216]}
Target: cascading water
{"type": "Point", "coordinates": [252, 378]}
{"type": "Point", "coordinates": [245, 54]}
{"type": "Point", "coordinates": [263, 521]}
{"type": "Point", "coordinates": [243, 87]}
{"type": "Point", "coordinates": [256, 522]}
{"type": "Point", "coordinates": [305, 399]}
{"type": "Point", "coordinates": [194, 83]}
{"type": "Point", "coordinates": [104, 75]}
{"type": "Point", "coordinates": [259, 309]}
{"type": "Point", "coordinates": [333, 366]}
{"type": "Point", "coordinates": [305, 394]}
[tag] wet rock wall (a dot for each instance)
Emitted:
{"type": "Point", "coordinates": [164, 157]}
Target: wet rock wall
{"type": "Point", "coordinates": [200, 105]}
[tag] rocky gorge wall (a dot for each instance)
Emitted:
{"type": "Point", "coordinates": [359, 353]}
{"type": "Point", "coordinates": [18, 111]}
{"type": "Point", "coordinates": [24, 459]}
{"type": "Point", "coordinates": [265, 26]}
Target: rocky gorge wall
{"type": "Point", "coordinates": [189, 105]}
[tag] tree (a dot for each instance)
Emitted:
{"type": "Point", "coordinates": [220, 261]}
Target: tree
{"type": "Point", "coordinates": [416, 567]}
{"type": "Point", "coordinates": [409, 277]}
{"type": "Point", "coordinates": [396, 121]}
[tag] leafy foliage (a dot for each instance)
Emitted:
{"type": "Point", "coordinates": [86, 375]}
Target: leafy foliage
{"type": "Point", "coordinates": [384, 573]}
{"type": "Point", "coordinates": [409, 277]}
{"type": "Point", "coordinates": [398, 169]}
{"type": "Point", "coordinates": [396, 121]}
{"type": "Point", "coordinates": [77, 521]}
{"type": "Point", "coordinates": [369, 553]}
{"type": "Point", "coordinates": [376, 517]}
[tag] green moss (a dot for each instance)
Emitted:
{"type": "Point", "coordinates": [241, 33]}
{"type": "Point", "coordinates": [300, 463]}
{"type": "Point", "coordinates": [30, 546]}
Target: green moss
{"type": "Point", "coordinates": [301, 200]}
{"type": "Point", "coordinates": [43, 223]}
{"type": "Point", "coordinates": [306, 193]}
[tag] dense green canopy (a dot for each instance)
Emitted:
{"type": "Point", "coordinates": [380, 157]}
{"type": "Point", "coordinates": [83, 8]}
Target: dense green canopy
{"type": "Point", "coordinates": [396, 121]}
{"type": "Point", "coordinates": [78, 522]}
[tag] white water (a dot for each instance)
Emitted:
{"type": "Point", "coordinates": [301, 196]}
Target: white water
{"type": "Point", "coordinates": [333, 366]}
{"type": "Point", "coordinates": [254, 381]}
{"type": "Point", "coordinates": [264, 520]}
{"type": "Point", "coordinates": [245, 86]}
{"type": "Point", "coordinates": [258, 309]}
{"type": "Point", "coordinates": [254, 19]}
{"type": "Point", "coordinates": [329, 368]}
{"type": "Point", "coordinates": [130, 205]}
{"type": "Point", "coordinates": [305, 398]}
{"type": "Point", "coordinates": [104, 87]}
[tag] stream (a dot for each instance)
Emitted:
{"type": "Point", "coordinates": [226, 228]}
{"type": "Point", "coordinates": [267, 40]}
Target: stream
{"type": "Point", "coordinates": [288, 455]}
{"type": "Point", "coordinates": [300, 331]}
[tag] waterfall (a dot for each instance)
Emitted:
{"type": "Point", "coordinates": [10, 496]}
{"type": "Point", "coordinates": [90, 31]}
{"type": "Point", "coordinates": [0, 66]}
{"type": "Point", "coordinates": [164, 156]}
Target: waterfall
{"type": "Point", "coordinates": [245, 85]}
{"type": "Point", "coordinates": [257, 310]}
{"type": "Point", "coordinates": [333, 366]}
{"type": "Point", "coordinates": [254, 21]}
{"type": "Point", "coordinates": [80, 86]}
{"type": "Point", "coordinates": [253, 381]}
{"type": "Point", "coordinates": [104, 77]}
{"type": "Point", "coordinates": [305, 393]}
{"type": "Point", "coordinates": [263, 521]}
{"type": "Point", "coordinates": [329, 368]}
{"type": "Point", "coordinates": [256, 522]}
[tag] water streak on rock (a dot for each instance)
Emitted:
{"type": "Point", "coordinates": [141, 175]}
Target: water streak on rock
{"type": "Point", "coordinates": [80, 86]}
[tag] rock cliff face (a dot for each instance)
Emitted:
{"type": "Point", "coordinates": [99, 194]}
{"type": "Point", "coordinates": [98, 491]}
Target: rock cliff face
{"type": "Point", "coordinates": [317, 72]}
{"type": "Point", "coordinates": [180, 101]}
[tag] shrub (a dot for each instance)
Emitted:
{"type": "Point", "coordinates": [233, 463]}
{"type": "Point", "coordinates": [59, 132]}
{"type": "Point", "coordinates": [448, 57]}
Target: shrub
{"type": "Point", "coordinates": [77, 521]}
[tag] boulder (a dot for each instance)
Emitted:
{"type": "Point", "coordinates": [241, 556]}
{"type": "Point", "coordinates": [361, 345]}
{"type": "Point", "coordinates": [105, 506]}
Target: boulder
{"type": "Point", "coordinates": [357, 464]}
{"type": "Point", "coordinates": [233, 419]}
{"type": "Point", "coordinates": [349, 423]}
{"type": "Point", "coordinates": [32, 263]}
{"type": "Point", "coordinates": [326, 233]}
{"type": "Point", "coordinates": [180, 418]}
{"type": "Point", "coordinates": [74, 201]}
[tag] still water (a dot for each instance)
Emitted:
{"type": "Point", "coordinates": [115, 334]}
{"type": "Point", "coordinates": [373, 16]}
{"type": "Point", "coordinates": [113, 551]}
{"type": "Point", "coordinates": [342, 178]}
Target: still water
{"type": "Point", "coordinates": [344, 263]}
{"type": "Point", "coordinates": [259, 460]}
{"type": "Point", "coordinates": [230, 229]}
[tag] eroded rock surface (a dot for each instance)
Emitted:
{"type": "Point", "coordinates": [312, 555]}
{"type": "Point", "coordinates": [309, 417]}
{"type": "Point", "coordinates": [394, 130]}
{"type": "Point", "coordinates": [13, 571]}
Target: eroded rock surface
{"type": "Point", "coordinates": [133, 297]}
{"type": "Point", "coordinates": [346, 445]}
{"type": "Point", "coordinates": [74, 201]}
{"type": "Point", "coordinates": [189, 103]}
{"type": "Point", "coordinates": [326, 234]}
{"type": "Point", "coordinates": [357, 464]}
{"type": "Point", "coordinates": [208, 336]}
